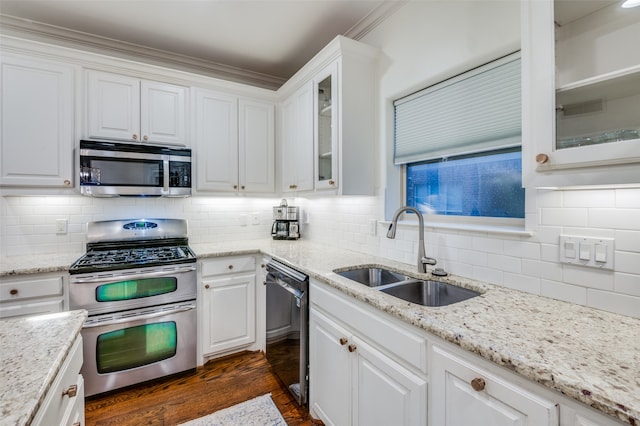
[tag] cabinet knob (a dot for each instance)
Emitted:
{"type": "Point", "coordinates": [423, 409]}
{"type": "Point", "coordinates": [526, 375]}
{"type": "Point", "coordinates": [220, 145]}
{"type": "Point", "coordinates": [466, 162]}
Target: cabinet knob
{"type": "Point", "coordinates": [71, 391]}
{"type": "Point", "coordinates": [230, 266]}
{"type": "Point", "coordinates": [343, 341]}
{"type": "Point", "coordinates": [235, 186]}
{"type": "Point", "coordinates": [13, 291]}
{"type": "Point", "coordinates": [67, 182]}
{"type": "Point", "coordinates": [134, 137]}
{"type": "Point", "coordinates": [352, 348]}
{"type": "Point", "coordinates": [145, 138]}
{"type": "Point", "coordinates": [478, 384]}
{"type": "Point", "coordinates": [332, 183]}
{"type": "Point", "coordinates": [206, 286]}
{"type": "Point", "coordinates": [242, 187]}
{"type": "Point", "coordinates": [293, 186]}
{"type": "Point", "coordinates": [542, 158]}
{"type": "Point", "coordinates": [262, 265]}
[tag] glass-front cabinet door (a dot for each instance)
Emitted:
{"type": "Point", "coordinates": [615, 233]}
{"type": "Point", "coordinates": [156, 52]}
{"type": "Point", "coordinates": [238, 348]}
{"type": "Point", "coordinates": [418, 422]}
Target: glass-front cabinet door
{"type": "Point", "coordinates": [585, 55]}
{"type": "Point", "coordinates": [326, 128]}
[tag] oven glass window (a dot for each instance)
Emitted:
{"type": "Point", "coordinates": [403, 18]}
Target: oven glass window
{"type": "Point", "coordinates": [136, 289]}
{"type": "Point", "coordinates": [135, 346]}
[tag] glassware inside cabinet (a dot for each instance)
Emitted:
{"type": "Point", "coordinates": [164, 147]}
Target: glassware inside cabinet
{"type": "Point", "coordinates": [597, 73]}
{"type": "Point", "coordinates": [325, 131]}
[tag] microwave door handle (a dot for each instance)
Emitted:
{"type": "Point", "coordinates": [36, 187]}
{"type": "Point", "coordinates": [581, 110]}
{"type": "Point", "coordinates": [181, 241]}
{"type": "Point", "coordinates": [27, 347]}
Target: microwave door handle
{"type": "Point", "coordinates": [165, 180]}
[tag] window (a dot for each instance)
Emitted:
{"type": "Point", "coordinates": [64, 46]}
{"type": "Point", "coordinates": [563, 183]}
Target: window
{"type": "Point", "coordinates": [459, 143]}
{"type": "Point", "coordinates": [487, 184]}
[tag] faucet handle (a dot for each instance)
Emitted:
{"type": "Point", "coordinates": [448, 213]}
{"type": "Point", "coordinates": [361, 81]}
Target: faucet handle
{"type": "Point", "coordinates": [428, 260]}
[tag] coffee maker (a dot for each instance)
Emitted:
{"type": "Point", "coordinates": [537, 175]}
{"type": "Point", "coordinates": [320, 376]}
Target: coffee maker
{"type": "Point", "coordinates": [285, 222]}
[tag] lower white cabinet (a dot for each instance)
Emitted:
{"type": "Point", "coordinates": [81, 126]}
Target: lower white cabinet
{"type": "Point", "coordinates": [354, 380]}
{"type": "Point", "coordinates": [228, 304]}
{"type": "Point", "coordinates": [462, 394]}
{"type": "Point", "coordinates": [32, 295]}
{"type": "Point", "coordinates": [64, 403]}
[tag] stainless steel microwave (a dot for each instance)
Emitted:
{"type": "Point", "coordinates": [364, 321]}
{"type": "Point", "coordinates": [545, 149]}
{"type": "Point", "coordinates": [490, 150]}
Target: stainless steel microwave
{"type": "Point", "coordinates": [112, 169]}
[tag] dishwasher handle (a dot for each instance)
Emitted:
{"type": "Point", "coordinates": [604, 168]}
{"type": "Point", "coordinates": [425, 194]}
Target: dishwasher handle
{"type": "Point", "coordinates": [298, 294]}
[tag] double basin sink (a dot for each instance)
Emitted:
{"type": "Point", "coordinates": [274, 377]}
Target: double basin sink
{"type": "Point", "coordinates": [421, 292]}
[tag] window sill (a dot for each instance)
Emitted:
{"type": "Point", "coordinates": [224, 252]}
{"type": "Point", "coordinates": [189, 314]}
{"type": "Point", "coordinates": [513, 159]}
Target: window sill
{"type": "Point", "coordinates": [517, 231]}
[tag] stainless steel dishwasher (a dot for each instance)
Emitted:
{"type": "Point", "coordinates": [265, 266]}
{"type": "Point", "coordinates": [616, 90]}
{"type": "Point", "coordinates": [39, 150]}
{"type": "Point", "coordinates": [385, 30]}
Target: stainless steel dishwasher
{"type": "Point", "coordinates": [288, 327]}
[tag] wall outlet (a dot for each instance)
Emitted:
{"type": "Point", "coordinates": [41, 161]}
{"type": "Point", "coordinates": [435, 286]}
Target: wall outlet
{"type": "Point", "coordinates": [61, 226]}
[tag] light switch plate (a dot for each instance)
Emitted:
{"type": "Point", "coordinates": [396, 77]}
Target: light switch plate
{"type": "Point", "coordinates": [587, 251]}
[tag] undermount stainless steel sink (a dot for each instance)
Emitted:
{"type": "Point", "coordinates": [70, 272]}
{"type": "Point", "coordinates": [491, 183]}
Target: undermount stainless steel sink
{"type": "Point", "coordinates": [429, 293]}
{"type": "Point", "coordinates": [421, 292]}
{"type": "Point", "coordinates": [373, 277]}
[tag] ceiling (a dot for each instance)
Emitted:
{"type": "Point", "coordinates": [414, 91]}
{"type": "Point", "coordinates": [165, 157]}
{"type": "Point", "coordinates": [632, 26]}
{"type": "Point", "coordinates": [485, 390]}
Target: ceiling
{"type": "Point", "coordinates": [267, 40]}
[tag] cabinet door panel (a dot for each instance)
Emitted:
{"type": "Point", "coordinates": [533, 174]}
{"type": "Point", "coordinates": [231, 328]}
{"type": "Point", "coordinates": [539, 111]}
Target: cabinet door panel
{"type": "Point", "coordinates": [113, 106]}
{"type": "Point", "coordinates": [37, 123]}
{"type": "Point", "coordinates": [498, 403]}
{"type": "Point", "coordinates": [163, 113]}
{"type": "Point", "coordinates": [330, 393]}
{"type": "Point", "coordinates": [229, 305]}
{"type": "Point", "coordinates": [216, 141]}
{"type": "Point", "coordinates": [297, 141]}
{"type": "Point", "coordinates": [387, 394]}
{"type": "Point", "coordinates": [256, 146]}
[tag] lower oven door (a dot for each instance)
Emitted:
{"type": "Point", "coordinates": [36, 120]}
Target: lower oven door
{"type": "Point", "coordinates": [113, 291]}
{"type": "Point", "coordinates": [134, 346]}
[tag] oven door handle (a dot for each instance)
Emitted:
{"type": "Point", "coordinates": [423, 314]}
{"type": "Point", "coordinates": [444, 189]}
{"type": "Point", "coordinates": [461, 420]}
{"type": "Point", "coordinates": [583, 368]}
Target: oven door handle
{"type": "Point", "coordinates": [297, 293]}
{"type": "Point", "coordinates": [139, 317]}
{"type": "Point", "coordinates": [108, 278]}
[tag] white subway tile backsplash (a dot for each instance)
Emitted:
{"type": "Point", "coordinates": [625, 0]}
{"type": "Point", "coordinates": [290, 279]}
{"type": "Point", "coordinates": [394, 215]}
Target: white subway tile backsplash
{"type": "Point", "coordinates": [614, 302]}
{"type": "Point", "coordinates": [615, 218]}
{"type": "Point", "coordinates": [529, 264]}
{"type": "Point", "coordinates": [561, 291]}
{"type": "Point", "coordinates": [627, 284]}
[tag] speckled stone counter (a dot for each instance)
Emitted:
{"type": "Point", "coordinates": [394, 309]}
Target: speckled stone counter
{"type": "Point", "coordinates": [32, 351]}
{"type": "Point", "coordinates": [586, 354]}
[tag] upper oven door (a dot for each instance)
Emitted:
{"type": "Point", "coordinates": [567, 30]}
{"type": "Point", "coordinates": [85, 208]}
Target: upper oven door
{"type": "Point", "coordinates": [114, 291]}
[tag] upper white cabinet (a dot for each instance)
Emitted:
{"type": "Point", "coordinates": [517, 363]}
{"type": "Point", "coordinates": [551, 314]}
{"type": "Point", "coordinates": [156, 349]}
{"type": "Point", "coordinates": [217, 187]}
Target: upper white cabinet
{"type": "Point", "coordinates": [296, 140]}
{"type": "Point", "coordinates": [38, 122]}
{"type": "Point", "coordinates": [581, 93]}
{"type": "Point", "coordinates": [235, 143]}
{"type": "Point", "coordinates": [342, 116]}
{"type": "Point", "coordinates": [130, 109]}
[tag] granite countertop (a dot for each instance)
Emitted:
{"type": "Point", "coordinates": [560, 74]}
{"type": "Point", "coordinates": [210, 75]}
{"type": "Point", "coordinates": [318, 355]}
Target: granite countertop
{"type": "Point", "coordinates": [32, 351]}
{"type": "Point", "coordinates": [586, 354]}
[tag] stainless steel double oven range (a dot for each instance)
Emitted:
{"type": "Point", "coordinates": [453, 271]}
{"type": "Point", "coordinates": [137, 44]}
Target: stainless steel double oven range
{"type": "Point", "coordinates": [138, 283]}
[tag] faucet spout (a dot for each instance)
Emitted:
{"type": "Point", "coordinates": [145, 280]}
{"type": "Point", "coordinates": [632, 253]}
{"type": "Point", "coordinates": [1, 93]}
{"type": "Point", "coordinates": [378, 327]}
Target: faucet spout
{"type": "Point", "coordinates": [423, 261]}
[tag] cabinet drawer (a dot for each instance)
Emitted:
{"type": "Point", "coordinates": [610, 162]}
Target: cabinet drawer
{"type": "Point", "coordinates": [26, 289]}
{"type": "Point", "coordinates": [36, 308]}
{"type": "Point", "coordinates": [64, 391]}
{"type": "Point", "coordinates": [228, 265]}
{"type": "Point", "coordinates": [393, 338]}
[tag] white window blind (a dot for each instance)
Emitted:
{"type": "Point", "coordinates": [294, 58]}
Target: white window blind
{"type": "Point", "coordinates": [475, 111]}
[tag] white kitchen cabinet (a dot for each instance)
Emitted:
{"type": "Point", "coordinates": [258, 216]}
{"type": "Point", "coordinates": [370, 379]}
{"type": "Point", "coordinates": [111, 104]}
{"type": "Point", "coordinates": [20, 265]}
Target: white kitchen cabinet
{"type": "Point", "coordinates": [463, 393]}
{"type": "Point", "coordinates": [130, 109]}
{"type": "Point", "coordinates": [64, 402]}
{"type": "Point", "coordinates": [235, 143]}
{"type": "Point", "coordinates": [32, 295]}
{"type": "Point", "coordinates": [364, 369]}
{"type": "Point", "coordinates": [343, 116]}
{"type": "Point", "coordinates": [38, 116]}
{"type": "Point", "coordinates": [296, 124]}
{"type": "Point", "coordinates": [581, 93]}
{"type": "Point", "coordinates": [228, 304]}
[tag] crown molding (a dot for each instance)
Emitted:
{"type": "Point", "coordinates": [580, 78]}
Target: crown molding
{"type": "Point", "coordinates": [36, 31]}
{"type": "Point", "coordinates": [374, 18]}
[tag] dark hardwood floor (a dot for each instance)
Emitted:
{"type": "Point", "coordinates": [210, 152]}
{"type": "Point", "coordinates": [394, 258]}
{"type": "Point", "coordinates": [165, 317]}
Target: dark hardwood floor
{"type": "Point", "coordinates": [218, 384]}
